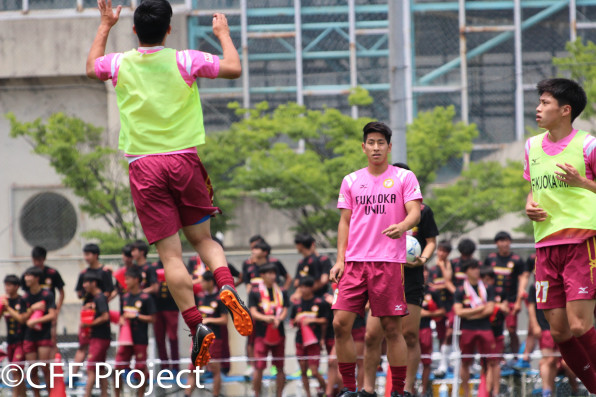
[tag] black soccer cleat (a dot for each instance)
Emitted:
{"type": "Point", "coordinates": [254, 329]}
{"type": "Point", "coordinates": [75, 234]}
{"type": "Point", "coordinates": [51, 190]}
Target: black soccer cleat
{"type": "Point", "coordinates": [239, 311]}
{"type": "Point", "coordinates": [345, 392]}
{"type": "Point", "coordinates": [201, 342]}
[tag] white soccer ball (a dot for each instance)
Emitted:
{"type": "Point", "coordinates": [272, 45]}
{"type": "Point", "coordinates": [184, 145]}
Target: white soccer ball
{"type": "Point", "coordinates": [413, 248]}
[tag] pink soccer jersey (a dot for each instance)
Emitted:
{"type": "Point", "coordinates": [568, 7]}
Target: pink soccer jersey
{"type": "Point", "coordinates": [191, 63]}
{"type": "Point", "coordinates": [552, 149]}
{"type": "Point", "coordinates": [376, 203]}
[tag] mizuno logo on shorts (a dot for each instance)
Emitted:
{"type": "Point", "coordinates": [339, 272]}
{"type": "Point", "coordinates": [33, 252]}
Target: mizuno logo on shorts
{"type": "Point", "coordinates": [583, 290]}
{"type": "Point", "coordinates": [398, 307]}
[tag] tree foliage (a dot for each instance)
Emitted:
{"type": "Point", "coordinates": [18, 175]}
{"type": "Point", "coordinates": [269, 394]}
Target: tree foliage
{"type": "Point", "coordinates": [581, 65]}
{"type": "Point", "coordinates": [484, 192]}
{"type": "Point", "coordinates": [433, 139]}
{"type": "Point", "coordinates": [95, 173]}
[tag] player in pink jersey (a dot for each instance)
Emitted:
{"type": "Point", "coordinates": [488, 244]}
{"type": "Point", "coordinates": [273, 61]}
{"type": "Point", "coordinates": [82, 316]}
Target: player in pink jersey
{"type": "Point", "coordinates": [378, 205]}
{"type": "Point", "coordinates": [161, 124]}
{"type": "Point", "coordinates": [561, 166]}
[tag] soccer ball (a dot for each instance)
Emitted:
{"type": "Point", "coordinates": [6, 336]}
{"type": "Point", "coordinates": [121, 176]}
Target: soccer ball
{"type": "Point", "coordinates": [413, 248]}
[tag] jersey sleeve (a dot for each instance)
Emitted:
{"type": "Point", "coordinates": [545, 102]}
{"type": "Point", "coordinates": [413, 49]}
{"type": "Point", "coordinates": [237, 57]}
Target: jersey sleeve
{"type": "Point", "coordinates": [590, 154]}
{"type": "Point", "coordinates": [527, 161]}
{"type": "Point", "coordinates": [50, 300]}
{"type": "Point", "coordinates": [344, 201]}
{"type": "Point", "coordinates": [293, 312]}
{"type": "Point", "coordinates": [101, 305]}
{"type": "Point", "coordinates": [490, 294]}
{"type": "Point", "coordinates": [233, 271]}
{"type": "Point", "coordinates": [458, 297]}
{"type": "Point", "coordinates": [106, 67]}
{"type": "Point", "coordinates": [57, 280]}
{"type": "Point", "coordinates": [108, 284]}
{"type": "Point", "coordinates": [411, 188]}
{"type": "Point", "coordinates": [286, 299]}
{"type": "Point", "coordinates": [149, 306]}
{"type": "Point", "coordinates": [427, 226]}
{"type": "Point", "coordinates": [198, 64]}
{"type": "Point", "coordinates": [253, 299]}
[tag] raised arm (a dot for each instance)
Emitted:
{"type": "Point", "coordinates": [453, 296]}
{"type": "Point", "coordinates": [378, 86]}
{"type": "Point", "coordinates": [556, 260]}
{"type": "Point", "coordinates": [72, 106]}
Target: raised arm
{"type": "Point", "coordinates": [230, 66]}
{"type": "Point", "coordinates": [109, 17]}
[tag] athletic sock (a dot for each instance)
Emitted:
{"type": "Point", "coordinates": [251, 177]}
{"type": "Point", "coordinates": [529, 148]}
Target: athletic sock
{"type": "Point", "coordinates": [223, 277]}
{"type": "Point", "coordinates": [445, 351]}
{"type": "Point", "coordinates": [588, 343]}
{"type": "Point", "coordinates": [348, 374]}
{"type": "Point", "coordinates": [398, 378]}
{"type": "Point", "coordinates": [192, 317]}
{"type": "Point", "coordinates": [579, 362]}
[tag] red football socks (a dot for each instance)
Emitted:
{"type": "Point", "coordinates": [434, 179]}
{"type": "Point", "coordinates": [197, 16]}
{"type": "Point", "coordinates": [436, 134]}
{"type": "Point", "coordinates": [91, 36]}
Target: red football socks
{"type": "Point", "coordinates": [348, 374]}
{"type": "Point", "coordinates": [579, 362]}
{"type": "Point", "coordinates": [588, 343]}
{"type": "Point", "coordinates": [192, 317]}
{"type": "Point", "coordinates": [398, 378]}
{"type": "Point", "coordinates": [223, 277]}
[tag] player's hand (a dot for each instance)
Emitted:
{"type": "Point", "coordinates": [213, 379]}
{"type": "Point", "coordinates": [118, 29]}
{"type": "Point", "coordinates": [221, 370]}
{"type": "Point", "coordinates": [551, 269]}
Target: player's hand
{"type": "Point", "coordinates": [517, 307]}
{"type": "Point", "coordinates": [4, 302]}
{"type": "Point", "coordinates": [31, 323]}
{"type": "Point", "coordinates": [41, 305]}
{"type": "Point", "coordinates": [534, 212]}
{"type": "Point", "coordinates": [276, 322]}
{"type": "Point", "coordinates": [220, 25]}
{"type": "Point", "coordinates": [130, 315]}
{"type": "Point", "coordinates": [417, 262]}
{"type": "Point", "coordinates": [394, 231]}
{"type": "Point", "coordinates": [336, 272]}
{"type": "Point", "coordinates": [109, 17]}
{"type": "Point", "coordinates": [570, 175]}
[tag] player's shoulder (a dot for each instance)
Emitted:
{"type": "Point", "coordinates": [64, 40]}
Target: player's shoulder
{"type": "Point", "coordinates": [355, 175]}
{"type": "Point", "coordinates": [50, 270]}
{"type": "Point", "coordinates": [145, 296]}
{"type": "Point", "coordinates": [492, 255]}
{"type": "Point", "coordinates": [515, 257]}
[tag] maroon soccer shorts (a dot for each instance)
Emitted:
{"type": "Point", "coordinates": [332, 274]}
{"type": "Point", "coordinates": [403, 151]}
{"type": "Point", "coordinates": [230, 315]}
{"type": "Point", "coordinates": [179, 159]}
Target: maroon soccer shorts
{"type": "Point", "coordinates": [499, 344]}
{"type": "Point", "coordinates": [262, 351]}
{"type": "Point", "coordinates": [125, 353]}
{"type": "Point", "coordinates": [169, 192]}
{"type": "Point", "coordinates": [381, 283]}
{"type": "Point", "coordinates": [565, 273]}
{"type": "Point", "coordinates": [30, 346]}
{"type": "Point", "coordinates": [547, 341]}
{"type": "Point", "coordinates": [476, 341]}
{"type": "Point", "coordinates": [311, 351]}
{"type": "Point", "coordinates": [15, 353]}
{"type": "Point", "coordinates": [98, 352]}
{"type": "Point", "coordinates": [426, 345]}
{"type": "Point", "coordinates": [511, 318]}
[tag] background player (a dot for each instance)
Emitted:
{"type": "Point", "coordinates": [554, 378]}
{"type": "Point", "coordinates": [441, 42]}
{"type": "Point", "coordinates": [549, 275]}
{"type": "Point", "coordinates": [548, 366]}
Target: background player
{"type": "Point", "coordinates": [378, 204]}
{"type": "Point", "coordinates": [561, 165]}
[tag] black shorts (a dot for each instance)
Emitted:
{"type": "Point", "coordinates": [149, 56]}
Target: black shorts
{"type": "Point", "coordinates": [414, 293]}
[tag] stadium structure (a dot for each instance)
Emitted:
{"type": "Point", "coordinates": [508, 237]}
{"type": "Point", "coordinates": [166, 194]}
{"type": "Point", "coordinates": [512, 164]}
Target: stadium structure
{"type": "Point", "coordinates": [483, 57]}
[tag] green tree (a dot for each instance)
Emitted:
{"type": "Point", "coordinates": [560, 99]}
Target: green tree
{"type": "Point", "coordinates": [96, 173]}
{"type": "Point", "coordinates": [294, 159]}
{"type": "Point", "coordinates": [486, 191]}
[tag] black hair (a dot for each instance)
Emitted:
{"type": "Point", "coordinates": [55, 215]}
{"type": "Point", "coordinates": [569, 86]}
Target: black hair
{"type": "Point", "coordinates": [466, 247]}
{"type": "Point", "coordinates": [566, 92]}
{"type": "Point", "coordinates": [92, 248]}
{"type": "Point", "coordinates": [12, 279]}
{"type": "Point", "coordinates": [92, 277]}
{"type": "Point", "coordinates": [152, 20]}
{"type": "Point", "coordinates": [208, 276]}
{"type": "Point", "coordinates": [141, 246]}
{"type": "Point", "coordinates": [469, 264]}
{"type": "Point", "coordinates": [35, 272]}
{"type": "Point", "coordinates": [255, 238]}
{"type": "Point", "coordinates": [487, 271]}
{"type": "Point", "coordinates": [263, 246]}
{"type": "Point", "coordinates": [402, 165]}
{"type": "Point", "coordinates": [134, 272]}
{"type": "Point", "coordinates": [445, 245]}
{"type": "Point", "coordinates": [127, 250]}
{"type": "Point", "coordinates": [377, 126]}
{"type": "Point", "coordinates": [39, 252]}
{"type": "Point", "coordinates": [307, 281]}
{"type": "Point", "coordinates": [304, 239]}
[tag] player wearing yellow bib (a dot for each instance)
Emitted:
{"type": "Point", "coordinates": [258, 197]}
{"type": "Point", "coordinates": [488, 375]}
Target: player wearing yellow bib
{"type": "Point", "coordinates": [560, 165]}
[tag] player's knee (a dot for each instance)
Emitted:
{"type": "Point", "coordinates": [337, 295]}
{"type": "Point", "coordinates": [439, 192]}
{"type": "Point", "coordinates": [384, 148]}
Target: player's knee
{"type": "Point", "coordinates": [578, 328]}
{"type": "Point", "coordinates": [341, 327]}
{"type": "Point", "coordinates": [411, 339]}
{"type": "Point", "coordinates": [373, 338]}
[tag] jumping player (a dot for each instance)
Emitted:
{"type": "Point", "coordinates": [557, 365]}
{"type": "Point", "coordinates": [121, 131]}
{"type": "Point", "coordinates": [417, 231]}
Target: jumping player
{"type": "Point", "coordinates": [161, 126]}
{"type": "Point", "coordinates": [378, 204]}
{"type": "Point", "coordinates": [561, 166]}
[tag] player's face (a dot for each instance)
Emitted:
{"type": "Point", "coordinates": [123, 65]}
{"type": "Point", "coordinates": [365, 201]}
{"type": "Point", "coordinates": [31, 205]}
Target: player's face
{"type": "Point", "coordinates": [127, 260]}
{"type": "Point", "coordinates": [548, 113]}
{"type": "Point", "coordinates": [89, 257]}
{"type": "Point", "coordinates": [504, 246]}
{"type": "Point", "coordinates": [376, 148]}
{"type": "Point", "coordinates": [473, 273]}
{"type": "Point", "coordinates": [87, 286]}
{"type": "Point", "coordinates": [10, 289]}
{"type": "Point", "coordinates": [38, 262]}
{"type": "Point", "coordinates": [269, 277]}
{"type": "Point", "coordinates": [30, 280]}
{"type": "Point", "coordinates": [131, 282]}
{"type": "Point", "coordinates": [442, 254]}
{"type": "Point", "coordinates": [302, 249]}
{"type": "Point", "coordinates": [136, 254]}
